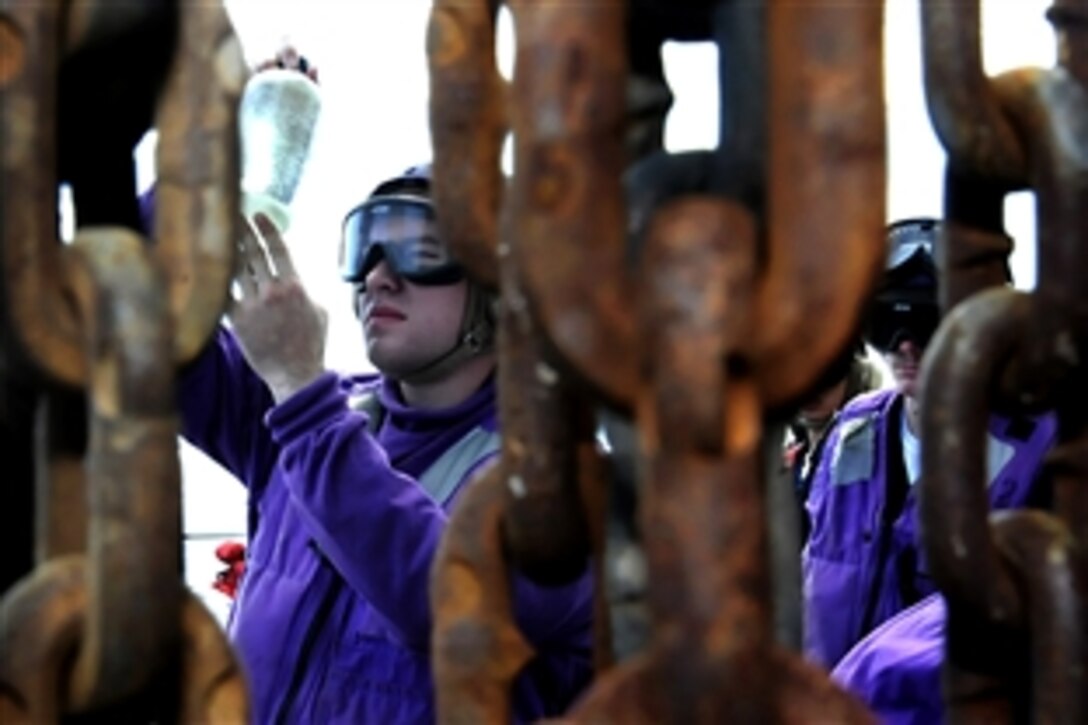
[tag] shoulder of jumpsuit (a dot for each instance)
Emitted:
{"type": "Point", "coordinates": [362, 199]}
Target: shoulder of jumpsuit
{"type": "Point", "coordinates": [1025, 430]}
{"type": "Point", "coordinates": [851, 453]}
{"type": "Point", "coordinates": [1021, 441]}
{"type": "Point", "coordinates": [896, 669]}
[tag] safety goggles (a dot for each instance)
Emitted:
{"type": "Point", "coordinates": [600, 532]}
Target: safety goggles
{"type": "Point", "coordinates": [891, 321]}
{"type": "Point", "coordinates": [907, 239]}
{"type": "Point", "coordinates": [401, 230]}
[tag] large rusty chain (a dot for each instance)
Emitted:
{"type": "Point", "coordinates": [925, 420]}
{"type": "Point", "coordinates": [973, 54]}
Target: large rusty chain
{"type": "Point", "coordinates": [680, 291]}
{"type": "Point", "coordinates": [703, 340]}
{"type": "Point", "coordinates": [103, 626]}
{"type": "Point", "coordinates": [1016, 583]}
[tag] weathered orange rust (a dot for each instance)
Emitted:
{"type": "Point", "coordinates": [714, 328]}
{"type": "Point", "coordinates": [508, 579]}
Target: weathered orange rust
{"type": "Point", "coordinates": [12, 51]}
{"type": "Point", "coordinates": [31, 253]}
{"type": "Point", "coordinates": [714, 331]}
{"type": "Point", "coordinates": [547, 472]}
{"type": "Point", "coordinates": [985, 159]}
{"type": "Point", "coordinates": [1045, 555]}
{"type": "Point", "coordinates": [102, 628]}
{"type": "Point", "coordinates": [197, 208]}
{"type": "Point", "coordinates": [133, 473]}
{"type": "Point", "coordinates": [467, 127]}
{"type": "Point", "coordinates": [1021, 578]}
{"type": "Point", "coordinates": [826, 176]}
{"type": "Point", "coordinates": [477, 650]}
{"type": "Point", "coordinates": [566, 202]}
{"type": "Point", "coordinates": [594, 483]}
{"type": "Point", "coordinates": [712, 657]}
{"type": "Point", "coordinates": [197, 212]}
{"type": "Point", "coordinates": [953, 502]}
{"type": "Point", "coordinates": [963, 105]}
{"type": "Point", "coordinates": [544, 419]}
{"type": "Point", "coordinates": [41, 621]}
{"type": "Point", "coordinates": [973, 258]}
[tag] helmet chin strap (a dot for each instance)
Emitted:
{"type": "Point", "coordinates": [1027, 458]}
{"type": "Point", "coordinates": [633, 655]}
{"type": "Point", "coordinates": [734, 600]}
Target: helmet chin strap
{"type": "Point", "coordinates": [470, 342]}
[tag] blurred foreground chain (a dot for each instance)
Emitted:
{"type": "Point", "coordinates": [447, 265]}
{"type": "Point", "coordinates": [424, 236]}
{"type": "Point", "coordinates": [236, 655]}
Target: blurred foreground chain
{"type": "Point", "coordinates": [1016, 584]}
{"type": "Point", "coordinates": [747, 289]}
{"type": "Point", "coordinates": [103, 627]}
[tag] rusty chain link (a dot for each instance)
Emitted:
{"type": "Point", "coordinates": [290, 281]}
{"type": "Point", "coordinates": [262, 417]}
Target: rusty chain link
{"type": "Point", "coordinates": [103, 626]}
{"type": "Point", "coordinates": [1017, 583]}
{"type": "Point", "coordinates": [541, 506]}
{"type": "Point", "coordinates": [701, 334]}
{"type": "Point", "coordinates": [710, 337]}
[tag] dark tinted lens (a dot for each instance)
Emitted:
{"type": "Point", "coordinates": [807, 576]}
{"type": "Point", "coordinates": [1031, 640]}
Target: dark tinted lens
{"type": "Point", "coordinates": [403, 232]}
{"type": "Point", "coordinates": [891, 322]}
{"type": "Point", "coordinates": [909, 237]}
{"type": "Point", "coordinates": [422, 260]}
{"type": "Point", "coordinates": [357, 256]}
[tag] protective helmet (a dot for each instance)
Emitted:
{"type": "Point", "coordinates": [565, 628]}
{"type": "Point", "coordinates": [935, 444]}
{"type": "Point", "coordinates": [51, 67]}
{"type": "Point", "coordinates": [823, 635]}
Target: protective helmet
{"type": "Point", "coordinates": [905, 303]}
{"type": "Point", "coordinates": [403, 204]}
{"type": "Point", "coordinates": [396, 222]}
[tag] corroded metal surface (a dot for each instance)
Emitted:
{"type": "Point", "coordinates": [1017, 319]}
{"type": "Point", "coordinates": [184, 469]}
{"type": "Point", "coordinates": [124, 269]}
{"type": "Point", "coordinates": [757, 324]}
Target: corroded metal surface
{"type": "Point", "coordinates": [566, 201]}
{"type": "Point", "coordinates": [31, 255]}
{"type": "Point", "coordinates": [701, 333]}
{"type": "Point", "coordinates": [476, 647]}
{"type": "Point", "coordinates": [102, 628]}
{"type": "Point", "coordinates": [712, 657]}
{"type": "Point", "coordinates": [687, 298]}
{"type": "Point", "coordinates": [826, 173]}
{"type": "Point", "coordinates": [133, 474]}
{"type": "Point", "coordinates": [197, 163]}
{"type": "Point", "coordinates": [468, 121]}
{"type": "Point", "coordinates": [60, 505]}
{"type": "Point", "coordinates": [41, 621]}
{"type": "Point", "coordinates": [197, 208]}
{"type": "Point", "coordinates": [1016, 585]}
{"type": "Point", "coordinates": [543, 421]}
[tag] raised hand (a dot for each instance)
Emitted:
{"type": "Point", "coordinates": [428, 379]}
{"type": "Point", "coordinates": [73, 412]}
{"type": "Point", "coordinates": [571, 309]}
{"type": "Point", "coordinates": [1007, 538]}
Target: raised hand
{"type": "Point", "coordinates": [280, 329]}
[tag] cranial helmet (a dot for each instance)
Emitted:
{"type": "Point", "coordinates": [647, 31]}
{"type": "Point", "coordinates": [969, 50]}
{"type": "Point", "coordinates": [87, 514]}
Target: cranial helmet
{"type": "Point", "coordinates": [905, 303]}
{"type": "Point", "coordinates": [420, 259]}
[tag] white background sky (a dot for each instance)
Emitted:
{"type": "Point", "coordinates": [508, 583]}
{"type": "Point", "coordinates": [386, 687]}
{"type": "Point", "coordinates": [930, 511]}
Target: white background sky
{"type": "Point", "coordinates": [374, 87]}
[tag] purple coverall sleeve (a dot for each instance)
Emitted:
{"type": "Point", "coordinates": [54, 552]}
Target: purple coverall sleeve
{"type": "Point", "coordinates": [222, 403]}
{"type": "Point", "coordinates": [823, 578]}
{"type": "Point", "coordinates": [377, 526]}
{"type": "Point", "coordinates": [896, 669]}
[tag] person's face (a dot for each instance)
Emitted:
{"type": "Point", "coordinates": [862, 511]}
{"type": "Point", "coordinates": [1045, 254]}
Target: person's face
{"type": "Point", "coordinates": [905, 360]}
{"type": "Point", "coordinates": [405, 325]}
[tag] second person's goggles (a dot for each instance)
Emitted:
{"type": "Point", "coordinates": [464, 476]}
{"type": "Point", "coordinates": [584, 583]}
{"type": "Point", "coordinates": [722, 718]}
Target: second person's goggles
{"type": "Point", "coordinates": [401, 230]}
{"type": "Point", "coordinates": [893, 320]}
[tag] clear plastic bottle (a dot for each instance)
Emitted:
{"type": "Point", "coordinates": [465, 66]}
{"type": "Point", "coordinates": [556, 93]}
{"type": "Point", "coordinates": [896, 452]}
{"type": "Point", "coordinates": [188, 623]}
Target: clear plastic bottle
{"type": "Point", "coordinates": [277, 118]}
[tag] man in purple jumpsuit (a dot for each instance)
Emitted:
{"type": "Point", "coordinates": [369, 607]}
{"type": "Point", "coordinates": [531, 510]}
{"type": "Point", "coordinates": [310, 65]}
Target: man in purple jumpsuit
{"type": "Point", "coordinates": [351, 479]}
{"type": "Point", "coordinates": [863, 564]}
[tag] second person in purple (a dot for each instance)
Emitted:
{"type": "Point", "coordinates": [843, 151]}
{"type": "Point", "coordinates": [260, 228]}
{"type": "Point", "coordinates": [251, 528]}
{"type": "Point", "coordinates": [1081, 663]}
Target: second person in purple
{"type": "Point", "coordinates": [862, 563]}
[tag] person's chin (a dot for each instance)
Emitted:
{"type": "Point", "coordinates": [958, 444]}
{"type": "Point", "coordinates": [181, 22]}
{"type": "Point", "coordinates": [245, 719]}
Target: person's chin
{"type": "Point", "coordinates": [380, 352]}
{"type": "Point", "coordinates": [906, 378]}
